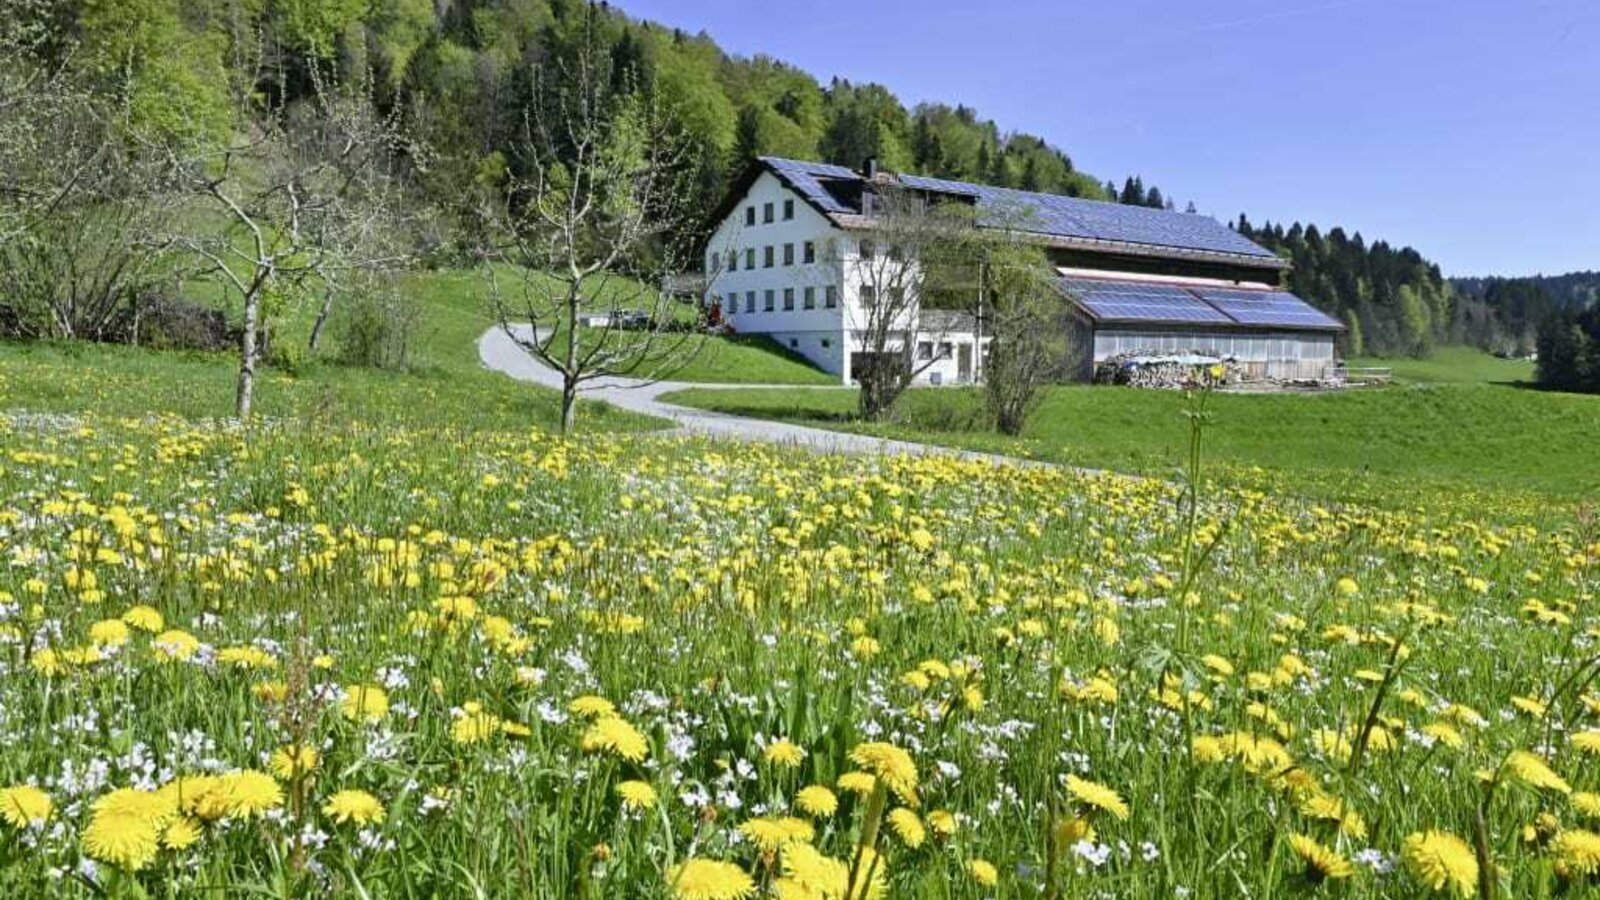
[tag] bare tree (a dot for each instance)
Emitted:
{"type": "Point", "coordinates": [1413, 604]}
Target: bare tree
{"type": "Point", "coordinates": [588, 237]}
{"type": "Point", "coordinates": [1031, 337]}
{"type": "Point", "coordinates": [898, 266]}
{"type": "Point", "coordinates": [290, 190]}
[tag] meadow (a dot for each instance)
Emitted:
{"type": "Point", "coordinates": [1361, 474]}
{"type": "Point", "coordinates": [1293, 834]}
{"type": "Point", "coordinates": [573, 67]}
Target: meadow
{"type": "Point", "coordinates": [395, 639]}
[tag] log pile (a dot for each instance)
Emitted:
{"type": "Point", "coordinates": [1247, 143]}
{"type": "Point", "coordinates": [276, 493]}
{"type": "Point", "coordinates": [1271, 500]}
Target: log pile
{"type": "Point", "coordinates": [1169, 371]}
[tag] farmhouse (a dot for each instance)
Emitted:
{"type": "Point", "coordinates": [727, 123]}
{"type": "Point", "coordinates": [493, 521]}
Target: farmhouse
{"type": "Point", "coordinates": [794, 239]}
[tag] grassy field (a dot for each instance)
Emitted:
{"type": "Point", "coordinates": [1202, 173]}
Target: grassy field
{"type": "Point", "coordinates": [395, 640]}
{"type": "Point", "coordinates": [720, 359]}
{"type": "Point", "coordinates": [1394, 445]}
{"type": "Point", "coordinates": [1454, 365]}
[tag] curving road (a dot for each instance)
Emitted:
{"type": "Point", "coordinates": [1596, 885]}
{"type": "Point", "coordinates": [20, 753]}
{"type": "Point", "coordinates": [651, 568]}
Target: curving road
{"type": "Point", "coordinates": [499, 352]}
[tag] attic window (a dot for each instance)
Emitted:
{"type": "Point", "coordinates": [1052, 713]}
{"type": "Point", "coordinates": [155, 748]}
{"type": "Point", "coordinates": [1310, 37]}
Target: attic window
{"type": "Point", "coordinates": [749, 215]}
{"type": "Point", "coordinates": [788, 210]}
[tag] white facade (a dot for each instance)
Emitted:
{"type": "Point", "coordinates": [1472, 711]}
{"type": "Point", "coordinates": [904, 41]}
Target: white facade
{"type": "Point", "coordinates": [782, 269]}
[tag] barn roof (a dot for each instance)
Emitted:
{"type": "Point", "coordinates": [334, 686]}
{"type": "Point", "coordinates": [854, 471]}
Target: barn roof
{"type": "Point", "coordinates": [1062, 221]}
{"type": "Point", "coordinates": [1201, 302]}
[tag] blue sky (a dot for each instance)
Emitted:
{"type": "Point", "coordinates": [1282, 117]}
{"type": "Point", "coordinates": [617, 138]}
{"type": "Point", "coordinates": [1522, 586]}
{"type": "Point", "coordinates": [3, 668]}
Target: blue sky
{"type": "Point", "coordinates": [1469, 129]}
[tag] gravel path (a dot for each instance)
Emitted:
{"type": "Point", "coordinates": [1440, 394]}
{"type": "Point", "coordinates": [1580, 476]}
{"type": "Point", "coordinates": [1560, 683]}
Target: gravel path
{"type": "Point", "coordinates": [500, 353]}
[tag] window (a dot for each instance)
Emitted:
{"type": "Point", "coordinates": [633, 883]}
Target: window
{"type": "Point", "coordinates": [895, 252]}
{"type": "Point", "coordinates": [808, 252]}
{"type": "Point", "coordinates": [831, 296]}
{"type": "Point", "coordinates": [826, 343]}
{"type": "Point", "coordinates": [946, 349]}
{"type": "Point", "coordinates": [788, 299]}
{"type": "Point", "coordinates": [766, 213]}
{"type": "Point", "coordinates": [788, 210]}
{"type": "Point", "coordinates": [749, 301]}
{"type": "Point", "coordinates": [733, 261]}
{"type": "Point", "coordinates": [810, 298]}
{"type": "Point", "coordinates": [794, 344]}
{"type": "Point", "coordinates": [897, 296]}
{"type": "Point", "coordinates": [925, 350]}
{"type": "Point", "coordinates": [716, 260]}
{"type": "Point", "coordinates": [868, 251]}
{"type": "Point", "coordinates": [749, 257]}
{"type": "Point", "coordinates": [766, 305]}
{"type": "Point", "coordinates": [766, 257]}
{"type": "Point", "coordinates": [749, 215]}
{"type": "Point", "coordinates": [788, 254]}
{"type": "Point", "coordinates": [869, 294]}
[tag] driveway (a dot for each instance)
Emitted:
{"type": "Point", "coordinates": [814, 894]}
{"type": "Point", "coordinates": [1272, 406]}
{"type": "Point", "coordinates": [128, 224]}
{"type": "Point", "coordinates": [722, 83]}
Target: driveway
{"type": "Point", "coordinates": [500, 353]}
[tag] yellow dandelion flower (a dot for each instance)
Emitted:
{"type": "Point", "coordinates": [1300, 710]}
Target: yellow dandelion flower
{"type": "Point", "coordinates": [291, 762]}
{"type": "Point", "coordinates": [355, 806]}
{"type": "Point", "coordinates": [250, 793]}
{"type": "Point", "coordinates": [180, 834]}
{"type": "Point", "coordinates": [636, 795]}
{"type": "Point", "coordinates": [1097, 796]}
{"type": "Point", "coordinates": [24, 805]}
{"type": "Point", "coordinates": [983, 872]}
{"type": "Point", "coordinates": [816, 801]}
{"type": "Point", "coordinates": [943, 822]}
{"type": "Point", "coordinates": [1587, 742]}
{"type": "Point", "coordinates": [1321, 862]}
{"type": "Point", "coordinates": [47, 663]}
{"type": "Point", "coordinates": [474, 725]}
{"type": "Point", "coordinates": [1587, 804]}
{"type": "Point", "coordinates": [174, 645]}
{"type": "Point", "coordinates": [783, 753]}
{"type": "Point", "coordinates": [246, 657]}
{"type": "Point", "coordinates": [123, 839]}
{"type": "Point", "coordinates": [144, 618]}
{"type": "Point", "coordinates": [365, 703]}
{"type": "Point", "coordinates": [1529, 769]}
{"type": "Point", "coordinates": [591, 707]}
{"type": "Point", "coordinates": [907, 827]}
{"type": "Point", "coordinates": [614, 734]}
{"type": "Point", "coordinates": [709, 879]}
{"type": "Point", "coordinates": [1442, 861]}
{"type": "Point", "coordinates": [109, 633]}
{"type": "Point", "coordinates": [892, 766]}
{"type": "Point", "coordinates": [1577, 853]}
{"type": "Point", "coordinates": [771, 833]}
{"type": "Point", "coordinates": [859, 783]}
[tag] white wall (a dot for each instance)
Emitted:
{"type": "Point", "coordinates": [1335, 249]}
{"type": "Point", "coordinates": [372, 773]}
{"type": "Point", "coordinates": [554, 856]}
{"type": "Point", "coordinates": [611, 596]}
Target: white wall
{"type": "Point", "coordinates": [809, 329]}
{"type": "Point", "coordinates": [1287, 354]}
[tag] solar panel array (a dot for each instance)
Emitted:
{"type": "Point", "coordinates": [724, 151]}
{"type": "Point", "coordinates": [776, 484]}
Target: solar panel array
{"type": "Point", "coordinates": [1142, 302]}
{"type": "Point", "coordinates": [1170, 304]}
{"type": "Point", "coordinates": [803, 177]}
{"type": "Point", "coordinates": [1267, 308]}
{"type": "Point", "coordinates": [1094, 219]}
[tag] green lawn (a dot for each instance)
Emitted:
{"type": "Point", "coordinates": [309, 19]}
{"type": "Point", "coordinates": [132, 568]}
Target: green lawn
{"type": "Point", "coordinates": [445, 386]}
{"type": "Point", "coordinates": [1453, 365]}
{"type": "Point", "coordinates": [1380, 443]}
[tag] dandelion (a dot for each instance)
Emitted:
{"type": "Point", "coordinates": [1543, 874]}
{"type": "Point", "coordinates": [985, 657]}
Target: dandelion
{"type": "Point", "coordinates": [126, 840]}
{"type": "Point", "coordinates": [614, 734]}
{"type": "Point", "coordinates": [983, 872]}
{"type": "Point", "coordinates": [707, 879]}
{"type": "Point", "coordinates": [364, 703]}
{"type": "Point", "coordinates": [1097, 796]}
{"type": "Point", "coordinates": [636, 795]}
{"type": "Point", "coordinates": [109, 633]}
{"type": "Point", "coordinates": [291, 762]}
{"type": "Point", "coordinates": [24, 805]}
{"type": "Point", "coordinates": [1577, 853]}
{"type": "Point", "coordinates": [474, 726]}
{"type": "Point", "coordinates": [1587, 742]}
{"type": "Point", "coordinates": [816, 801]}
{"type": "Point", "coordinates": [943, 823]}
{"type": "Point", "coordinates": [180, 834]}
{"type": "Point", "coordinates": [1442, 861]}
{"type": "Point", "coordinates": [858, 783]}
{"type": "Point", "coordinates": [1587, 804]}
{"type": "Point", "coordinates": [249, 793]}
{"type": "Point", "coordinates": [906, 826]}
{"type": "Point", "coordinates": [784, 754]}
{"type": "Point", "coordinates": [144, 618]}
{"type": "Point", "coordinates": [773, 833]}
{"type": "Point", "coordinates": [891, 765]}
{"type": "Point", "coordinates": [1531, 770]}
{"type": "Point", "coordinates": [1321, 862]}
{"type": "Point", "coordinates": [174, 645]}
{"type": "Point", "coordinates": [355, 806]}
{"type": "Point", "coordinates": [592, 707]}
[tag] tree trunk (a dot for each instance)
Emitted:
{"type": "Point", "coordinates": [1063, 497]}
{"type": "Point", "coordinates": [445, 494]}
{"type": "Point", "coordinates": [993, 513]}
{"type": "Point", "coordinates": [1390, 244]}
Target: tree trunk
{"type": "Point", "coordinates": [247, 355]}
{"type": "Point", "coordinates": [569, 403]}
{"type": "Point", "coordinates": [322, 320]}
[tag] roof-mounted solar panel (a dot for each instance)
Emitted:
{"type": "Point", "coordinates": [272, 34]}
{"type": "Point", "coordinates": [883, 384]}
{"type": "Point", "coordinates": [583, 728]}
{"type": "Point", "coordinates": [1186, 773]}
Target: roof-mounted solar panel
{"type": "Point", "coordinates": [1268, 308]}
{"type": "Point", "coordinates": [1141, 302]}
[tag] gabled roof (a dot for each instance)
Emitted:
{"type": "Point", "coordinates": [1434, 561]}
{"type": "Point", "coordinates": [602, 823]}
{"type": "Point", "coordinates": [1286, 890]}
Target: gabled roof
{"type": "Point", "coordinates": [1068, 222]}
{"type": "Point", "coordinates": [1174, 301]}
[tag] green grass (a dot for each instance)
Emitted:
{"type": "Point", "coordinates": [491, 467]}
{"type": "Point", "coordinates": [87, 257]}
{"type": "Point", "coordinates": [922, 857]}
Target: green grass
{"type": "Point", "coordinates": [1378, 443]}
{"type": "Point", "coordinates": [750, 359]}
{"type": "Point", "coordinates": [1453, 365]}
{"type": "Point", "coordinates": [445, 385]}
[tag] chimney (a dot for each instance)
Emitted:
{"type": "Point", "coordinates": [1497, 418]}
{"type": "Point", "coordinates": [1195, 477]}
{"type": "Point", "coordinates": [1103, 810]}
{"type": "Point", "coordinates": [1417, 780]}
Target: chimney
{"type": "Point", "coordinates": [869, 168]}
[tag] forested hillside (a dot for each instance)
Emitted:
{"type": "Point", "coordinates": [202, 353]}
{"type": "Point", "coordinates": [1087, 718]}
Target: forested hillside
{"type": "Point", "coordinates": [1393, 301]}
